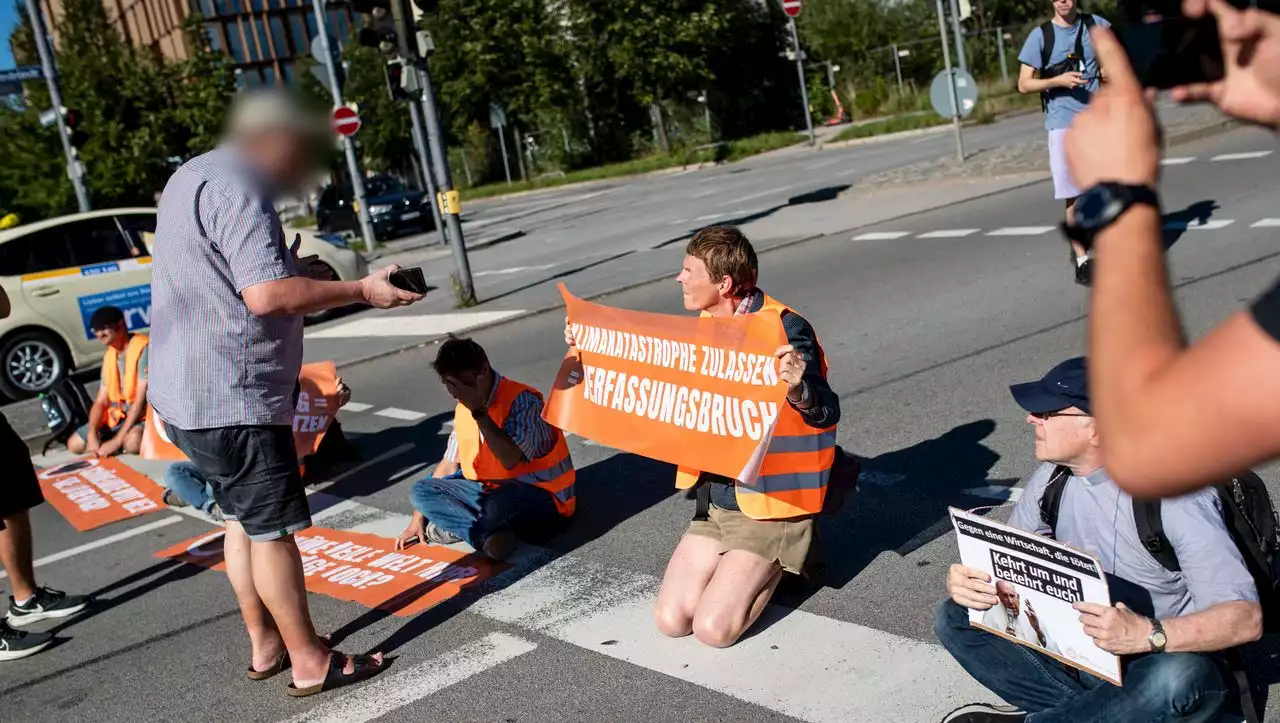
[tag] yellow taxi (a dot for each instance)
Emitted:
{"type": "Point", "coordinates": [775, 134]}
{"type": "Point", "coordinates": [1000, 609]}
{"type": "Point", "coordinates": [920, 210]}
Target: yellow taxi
{"type": "Point", "coordinates": [57, 272]}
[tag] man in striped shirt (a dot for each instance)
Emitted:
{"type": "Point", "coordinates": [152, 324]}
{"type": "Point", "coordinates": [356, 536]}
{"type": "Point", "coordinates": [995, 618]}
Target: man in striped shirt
{"type": "Point", "coordinates": [228, 299]}
{"type": "Point", "coordinates": [454, 505]}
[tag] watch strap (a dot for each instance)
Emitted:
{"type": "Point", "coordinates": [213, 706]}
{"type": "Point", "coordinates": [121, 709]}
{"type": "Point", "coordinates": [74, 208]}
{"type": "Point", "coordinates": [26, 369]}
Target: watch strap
{"type": "Point", "coordinates": [1157, 632]}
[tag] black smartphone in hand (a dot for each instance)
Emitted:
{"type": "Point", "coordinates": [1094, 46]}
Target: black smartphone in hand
{"type": "Point", "coordinates": [410, 279]}
{"type": "Point", "coordinates": [1168, 49]}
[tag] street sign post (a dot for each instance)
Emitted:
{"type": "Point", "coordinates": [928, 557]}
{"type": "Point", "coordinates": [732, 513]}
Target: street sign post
{"type": "Point", "coordinates": [966, 93]}
{"type": "Point", "coordinates": [498, 119]}
{"type": "Point", "coordinates": [791, 7]}
{"type": "Point", "coordinates": [345, 121]}
{"type": "Point", "coordinates": [955, 104]}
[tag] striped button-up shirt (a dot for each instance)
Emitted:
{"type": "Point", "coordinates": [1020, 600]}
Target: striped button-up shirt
{"type": "Point", "coordinates": [524, 424]}
{"type": "Point", "coordinates": [213, 362]}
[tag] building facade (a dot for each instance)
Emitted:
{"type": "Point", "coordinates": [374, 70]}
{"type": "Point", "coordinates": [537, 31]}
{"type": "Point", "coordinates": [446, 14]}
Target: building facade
{"type": "Point", "coordinates": [267, 41]}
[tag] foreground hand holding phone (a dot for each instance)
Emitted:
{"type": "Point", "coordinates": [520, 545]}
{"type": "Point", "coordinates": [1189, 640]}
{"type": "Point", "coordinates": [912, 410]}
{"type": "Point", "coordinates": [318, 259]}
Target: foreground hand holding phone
{"type": "Point", "coordinates": [1250, 88]}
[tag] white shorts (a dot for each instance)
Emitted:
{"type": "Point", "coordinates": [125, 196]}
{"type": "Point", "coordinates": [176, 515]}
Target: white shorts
{"type": "Point", "coordinates": [1063, 186]}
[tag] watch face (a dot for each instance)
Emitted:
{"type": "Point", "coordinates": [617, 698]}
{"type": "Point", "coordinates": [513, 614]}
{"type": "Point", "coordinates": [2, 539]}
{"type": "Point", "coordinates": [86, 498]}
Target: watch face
{"type": "Point", "coordinates": [1094, 207]}
{"type": "Point", "coordinates": [1158, 640]}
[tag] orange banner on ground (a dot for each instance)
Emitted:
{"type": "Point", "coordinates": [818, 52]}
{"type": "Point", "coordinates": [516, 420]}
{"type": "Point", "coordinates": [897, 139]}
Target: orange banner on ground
{"type": "Point", "coordinates": [699, 392]}
{"type": "Point", "coordinates": [365, 569]}
{"type": "Point", "coordinates": [317, 406]}
{"type": "Point", "coordinates": [91, 493]}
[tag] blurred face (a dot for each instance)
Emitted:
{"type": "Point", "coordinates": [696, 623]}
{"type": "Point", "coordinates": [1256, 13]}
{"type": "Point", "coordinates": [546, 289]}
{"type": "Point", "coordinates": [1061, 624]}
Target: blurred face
{"type": "Point", "coordinates": [1064, 8]}
{"type": "Point", "coordinates": [1062, 438]}
{"type": "Point", "coordinates": [473, 379]}
{"type": "Point", "coordinates": [288, 158]}
{"type": "Point", "coordinates": [1008, 596]}
{"type": "Point", "coordinates": [700, 292]}
{"type": "Point", "coordinates": [114, 335]}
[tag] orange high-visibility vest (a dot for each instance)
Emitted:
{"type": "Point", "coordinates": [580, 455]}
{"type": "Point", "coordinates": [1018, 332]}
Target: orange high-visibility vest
{"type": "Point", "coordinates": [796, 467]}
{"type": "Point", "coordinates": [553, 473]}
{"type": "Point", "coordinates": [120, 397]}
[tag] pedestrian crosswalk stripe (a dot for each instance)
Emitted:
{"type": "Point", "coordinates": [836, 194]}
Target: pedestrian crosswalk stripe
{"type": "Point", "coordinates": [1177, 161]}
{"type": "Point", "coordinates": [380, 325]}
{"type": "Point", "coordinates": [391, 691]}
{"type": "Point", "coordinates": [1267, 223]}
{"type": "Point", "coordinates": [1021, 231]}
{"type": "Point", "coordinates": [356, 407]}
{"type": "Point", "coordinates": [949, 233]}
{"type": "Point", "coordinates": [881, 235]}
{"type": "Point", "coordinates": [1212, 224]}
{"type": "Point", "coordinates": [407, 415]}
{"type": "Point", "coordinates": [1241, 156]}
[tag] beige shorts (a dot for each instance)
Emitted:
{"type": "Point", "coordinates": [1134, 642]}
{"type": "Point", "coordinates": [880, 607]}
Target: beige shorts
{"type": "Point", "coordinates": [785, 542]}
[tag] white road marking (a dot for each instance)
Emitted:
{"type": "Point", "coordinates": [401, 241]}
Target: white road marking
{"type": "Point", "coordinates": [411, 324]}
{"type": "Point", "coordinates": [710, 217]}
{"type": "Point", "coordinates": [391, 691]}
{"type": "Point", "coordinates": [407, 415]}
{"type": "Point", "coordinates": [1197, 225]}
{"type": "Point", "coordinates": [798, 664]}
{"type": "Point", "coordinates": [949, 233]}
{"type": "Point", "coordinates": [1021, 231]}
{"type": "Point", "coordinates": [1241, 156]}
{"type": "Point", "coordinates": [103, 542]}
{"type": "Point", "coordinates": [824, 164]}
{"type": "Point", "coordinates": [393, 452]}
{"type": "Point", "coordinates": [356, 407]}
{"type": "Point", "coordinates": [514, 270]}
{"type": "Point", "coordinates": [881, 235]}
{"type": "Point", "coordinates": [680, 222]}
{"type": "Point", "coordinates": [996, 492]}
{"type": "Point", "coordinates": [1267, 223]}
{"type": "Point", "coordinates": [708, 192]}
{"type": "Point", "coordinates": [1177, 161]}
{"type": "Point", "coordinates": [776, 192]}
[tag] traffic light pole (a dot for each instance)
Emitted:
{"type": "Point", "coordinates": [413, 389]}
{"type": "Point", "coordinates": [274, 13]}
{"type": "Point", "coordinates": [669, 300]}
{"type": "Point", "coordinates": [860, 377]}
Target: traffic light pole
{"type": "Point", "coordinates": [349, 143]}
{"type": "Point", "coordinates": [444, 181]}
{"type": "Point", "coordinates": [75, 167]}
{"type": "Point", "coordinates": [804, 92]}
{"type": "Point", "coordinates": [424, 159]}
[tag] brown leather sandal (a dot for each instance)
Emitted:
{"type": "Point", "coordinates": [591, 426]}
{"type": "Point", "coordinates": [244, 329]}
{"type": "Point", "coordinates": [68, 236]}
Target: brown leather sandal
{"type": "Point", "coordinates": [365, 667]}
{"type": "Point", "coordinates": [281, 664]}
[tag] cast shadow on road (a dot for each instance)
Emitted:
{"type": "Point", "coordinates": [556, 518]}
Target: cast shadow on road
{"type": "Point", "coordinates": [1176, 223]}
{"type": "Point", "coordinates": [902, 504]}
{"type": "Point", "coordinates": [821, 195]}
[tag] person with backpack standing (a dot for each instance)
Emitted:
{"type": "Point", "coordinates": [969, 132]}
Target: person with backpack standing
{"type": "Point", "coordinates": [29, 603]}
{"type": "Point", "coordinates": [1058, 62]}
{"type": "Point", "coordinates": [1181, 604]}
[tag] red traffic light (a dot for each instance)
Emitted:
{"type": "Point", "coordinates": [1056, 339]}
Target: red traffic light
{"type": "Point", "coordinates": [71, 117]}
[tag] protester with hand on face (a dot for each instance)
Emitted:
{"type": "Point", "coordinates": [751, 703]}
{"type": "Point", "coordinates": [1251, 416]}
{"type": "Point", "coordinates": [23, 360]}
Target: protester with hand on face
{"type": "Point", "coordinates": [1177, 416]}
{"type": "Point", "coordinates": [228, 298]}
{"type": "Point", "coordinates": [117, 416]}
{"type": "Point", "coordinates": [505, 471]}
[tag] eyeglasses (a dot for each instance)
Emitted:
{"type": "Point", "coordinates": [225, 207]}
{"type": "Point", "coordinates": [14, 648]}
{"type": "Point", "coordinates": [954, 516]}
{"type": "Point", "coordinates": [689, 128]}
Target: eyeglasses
{"type": "Point", "coordinates": [1050, 415]}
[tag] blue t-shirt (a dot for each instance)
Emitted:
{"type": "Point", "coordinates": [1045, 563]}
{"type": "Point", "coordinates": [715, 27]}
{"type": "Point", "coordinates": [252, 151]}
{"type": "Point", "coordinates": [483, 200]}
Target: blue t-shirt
{"type": "Point", "coordinates": [1064, 104]}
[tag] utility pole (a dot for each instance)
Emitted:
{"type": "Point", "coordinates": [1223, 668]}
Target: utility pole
{"type": "Point", "coordinates": [804, 92]}
{"type": "Point", "coordinates": [1004, 62]}
{"type": "Point", "coordinates": [424, 159]}
{"type": "Point", "coordinates": [444, 179]}
{"type": "Point", "coordinates": [955, 100]}
{"type": "Point", "coordinates": [897, 66]}
{"type": "Point", "coordinates": [75, 167]}
{"type": "Point", "coordinates": [955, 26]}
{"type": "Point", "coordinates": [348, 143]}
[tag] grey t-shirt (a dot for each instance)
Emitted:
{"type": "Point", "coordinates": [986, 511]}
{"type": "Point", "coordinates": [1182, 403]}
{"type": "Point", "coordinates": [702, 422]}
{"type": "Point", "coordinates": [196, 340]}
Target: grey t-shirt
{"type": "Point", "coordinates": [1097, 516]}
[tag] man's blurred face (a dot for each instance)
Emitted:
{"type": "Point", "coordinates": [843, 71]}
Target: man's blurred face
{"type": "Point", "coordinates": [112, 335]}
{"type": "Point", "coordinates": [1062, 439]}
{"type": "Point", "coordinates": [1064, 8]}
{"type": "Point", "coordinates": [700, 292]}
{"type": "Point", "coordinates": [286, 156]}
{"type": "Point", "coordinates": [1007, 594]}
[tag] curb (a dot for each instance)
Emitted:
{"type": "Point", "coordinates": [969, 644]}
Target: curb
{"type": "Point", "coordinates": [508, 236]}
{"type": "Point", "coordinates": [595, 182]}
{"type": "Point", "coordinates": [1178, 139]}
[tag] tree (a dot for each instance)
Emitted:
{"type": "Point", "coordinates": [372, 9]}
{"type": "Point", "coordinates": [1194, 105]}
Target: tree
{"type": "Point", "coordinates": [138, 111]}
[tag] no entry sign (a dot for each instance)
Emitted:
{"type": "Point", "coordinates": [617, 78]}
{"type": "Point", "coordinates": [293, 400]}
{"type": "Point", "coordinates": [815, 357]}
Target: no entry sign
{"type": "Point", "coordinates": [791, 7]}
{"type": "Point", "coordinates": [345, 121]}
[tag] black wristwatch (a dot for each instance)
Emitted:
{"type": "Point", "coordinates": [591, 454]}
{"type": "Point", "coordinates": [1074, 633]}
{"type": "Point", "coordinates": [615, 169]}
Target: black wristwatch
{"type": "Point", "coordinates": [1100, 206]}
{"type": "Point", "coordinates": [1157, 639]}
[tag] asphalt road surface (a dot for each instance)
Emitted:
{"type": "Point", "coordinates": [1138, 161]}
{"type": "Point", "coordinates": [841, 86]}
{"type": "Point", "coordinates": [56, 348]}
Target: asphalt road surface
{"type": "Point", "coordinates": [926, 321]}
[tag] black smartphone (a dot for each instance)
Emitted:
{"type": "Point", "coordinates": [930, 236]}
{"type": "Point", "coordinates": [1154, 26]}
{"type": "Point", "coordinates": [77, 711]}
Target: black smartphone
{"type": "Point", "coordinates": [1167, 48]}
{"type": "Point", "coordinates": [410, 279]}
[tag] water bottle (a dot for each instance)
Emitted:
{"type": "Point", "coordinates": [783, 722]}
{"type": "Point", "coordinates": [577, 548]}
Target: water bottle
{"type": "Point", "coordinates": [51, 411]}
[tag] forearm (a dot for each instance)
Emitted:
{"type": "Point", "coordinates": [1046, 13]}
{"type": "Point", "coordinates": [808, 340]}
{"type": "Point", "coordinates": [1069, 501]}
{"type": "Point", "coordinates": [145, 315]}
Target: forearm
{"type": "Point", "coordinates": [131, 417]}
{"type": "Point", "coordinates": [1133, 335]}
{"type": "Point", "coordinates": [299, 295]}
{"type": "Point", "coordinates": [1222, 626]}
{"type": "Point", "coordinates": [446, 468]}
{"type": "Point", "coordinates": [96, 412]}
{"type": "Point", "coordinates": [1027, 86]}
{"type": "Point", "coordinates": [501, 443]}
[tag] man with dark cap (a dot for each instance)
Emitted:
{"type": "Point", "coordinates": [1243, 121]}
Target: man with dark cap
{"type": "Point", "coordinates": [1168, 627]}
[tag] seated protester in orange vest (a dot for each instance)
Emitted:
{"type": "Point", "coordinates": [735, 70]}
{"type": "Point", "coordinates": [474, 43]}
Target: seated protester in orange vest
{"type": "Point", "coordinates": [505, 472]}
{"type": "Point", "coordinates": [117, 416]}
{"type": "Point", "coordinates": [727, 565]}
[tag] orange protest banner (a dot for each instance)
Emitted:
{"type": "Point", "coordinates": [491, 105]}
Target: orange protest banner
{"type": "Point", "coordinates": [317, 406]}
{"type": "Point", "coordinates": [94, 492]}
{"type": "Point", "coordinates": [364, 568]}
{"type": "Point", "coordinates": [700, 392]}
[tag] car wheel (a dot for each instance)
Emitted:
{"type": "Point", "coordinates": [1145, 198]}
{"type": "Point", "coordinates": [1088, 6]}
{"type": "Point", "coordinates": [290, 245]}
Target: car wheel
{"type": "Point", "coordinates": [319, 316]}
{"type": "Point", "coordinates": [30, 363]}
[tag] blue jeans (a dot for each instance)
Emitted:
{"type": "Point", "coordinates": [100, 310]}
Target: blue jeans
{"type": "Point", "coordinates": [465, 508]}
{"type": "Point", "coordinates": [1157, 687]}
{"type": "Point", "coordinates": [185, 480]}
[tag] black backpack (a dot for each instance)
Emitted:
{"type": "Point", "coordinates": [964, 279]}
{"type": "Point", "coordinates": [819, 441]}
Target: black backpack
{"type": "Point", "coordinates": [1046, 51]}
{"type": "Point", "coordinates": [66, 408]}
